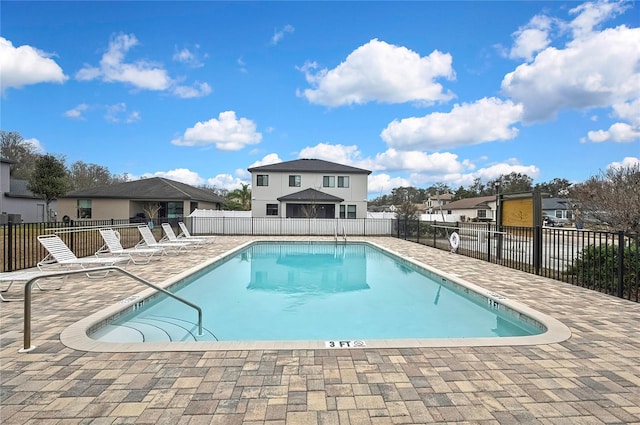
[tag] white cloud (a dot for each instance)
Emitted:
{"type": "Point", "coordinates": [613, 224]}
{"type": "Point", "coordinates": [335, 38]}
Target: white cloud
{"type": "Point", "coordinates": [197, 90]}
{"type": "Point", "coordinates": [486, 120]}
{"type": "Point", "coordinates": [269, 159]}
{"type": "Point", "coordinates": [227, 133]}
{"type": "Point", "coordinates": [183, 175]}
{"type": "Point", "coordinates": [618, 132]}
{"type": "Point", "coordinates": [118, 113]}
{"type": "Point", "coordinates": [188, 57]}
{"type": "Point", "coordinates": [227, 181]}
{"type": "Point", "coordinates": [628, 161]}
{"type": "Point", "coordinates": [141, 74]}
{"type": "Point", "coordinates": [36, 145]}
{"type": "Point", "coordinates": [380, 184]}
{"type": "Point", "coordinates": [628, 111]}
{"type": "Point", "coordinates": [380, 72]}
{"type": "Point", "coordinates": [595, 71]}
{"type": "Point", "coordinates": [591, 14]}
{"type": "Point", "coordinates": [279, 34]}
{"type": "Point", "coordinates": [531, 38]}
{"type": "Point", "coordinates": [335, 153]}
{"type": "Point", "coordinates": [77, 112]}
{"type": "Point", "coordinates": [26, 65]}
{"type": "Point", "coordinates": [417, 161]}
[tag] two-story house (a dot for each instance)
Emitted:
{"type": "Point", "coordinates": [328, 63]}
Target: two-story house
{"type": "Point", "coordinates": [17, 202]}
{"type": "Point", "coordinates": [309, 188]}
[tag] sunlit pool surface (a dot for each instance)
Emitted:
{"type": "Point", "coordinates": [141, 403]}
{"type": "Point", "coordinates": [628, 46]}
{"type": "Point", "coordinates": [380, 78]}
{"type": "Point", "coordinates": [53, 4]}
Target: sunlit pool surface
{"type": "Point", "coordinates": [326, 292]}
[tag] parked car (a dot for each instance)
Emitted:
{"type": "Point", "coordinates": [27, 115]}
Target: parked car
{"type": "Point", "coordinates": [553, 221]}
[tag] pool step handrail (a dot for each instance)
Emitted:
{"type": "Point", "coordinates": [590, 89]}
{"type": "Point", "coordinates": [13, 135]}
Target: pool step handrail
{"type": "Point", "coordinates": [27, 347]}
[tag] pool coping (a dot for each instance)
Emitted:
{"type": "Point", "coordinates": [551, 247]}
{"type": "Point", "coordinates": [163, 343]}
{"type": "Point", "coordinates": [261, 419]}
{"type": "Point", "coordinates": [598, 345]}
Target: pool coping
{"type": "Point", "coordinates": [75, 336]}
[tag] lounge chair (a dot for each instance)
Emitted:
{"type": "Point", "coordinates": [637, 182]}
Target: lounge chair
{"type": "Point", "coordinates": [22, 276]}
{"type": "Point", "coordinates": [59, 254]}
{"type": "Point", "coordinates": [112, 246]}
{"type": "Point", "coordinates": [184, 234]}
{"type": "Point", "coordinates": [149, 241]}
{"type": "Point", "coordinates": [170, 236]}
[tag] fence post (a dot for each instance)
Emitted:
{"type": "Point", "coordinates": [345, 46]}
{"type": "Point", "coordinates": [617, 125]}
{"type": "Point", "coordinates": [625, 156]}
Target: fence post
{"type": "Point", "coordinates": [10, 245]}
{"type": "Point", "coordinates": [488, 242]}
{"type": "Point", "coordinates": [418, 233]}
{"type": "Point", "coordinates": [537, 248]}
{"type": "Point", "coordinates": [620, 292]}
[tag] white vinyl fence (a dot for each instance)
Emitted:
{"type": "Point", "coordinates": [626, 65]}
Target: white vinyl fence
{"type": "Point", "coordinates": [289, 226]}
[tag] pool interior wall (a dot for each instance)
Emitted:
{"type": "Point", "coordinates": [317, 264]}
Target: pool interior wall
{"type": "Point", "coordinates": [76, 336]}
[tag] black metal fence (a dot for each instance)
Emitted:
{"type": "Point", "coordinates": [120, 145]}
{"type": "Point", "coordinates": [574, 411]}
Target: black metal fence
{"type": "Point", "coordinates": [20, 248]}
{"type": "Point", "coordinates": [604, 261]}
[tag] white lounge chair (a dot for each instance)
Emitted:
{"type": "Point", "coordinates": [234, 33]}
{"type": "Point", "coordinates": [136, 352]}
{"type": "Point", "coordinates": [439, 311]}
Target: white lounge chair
{"type": "Point", "coordinates": [185, 234]}
{"type": "Point", "coordinates": [23, 276]}
{"type": "Point", "coordinates": [59, 254]}
{"type": "Point", "coordinates": [149, 241]}
{"type": "Point", "coordinates": [170, 236]}
{"type": "Point", "coordinates": [112, 246]}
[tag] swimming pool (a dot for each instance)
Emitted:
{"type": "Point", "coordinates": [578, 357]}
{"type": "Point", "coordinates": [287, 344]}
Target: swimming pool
{"type": "Point", "coordinates": [326, 294]}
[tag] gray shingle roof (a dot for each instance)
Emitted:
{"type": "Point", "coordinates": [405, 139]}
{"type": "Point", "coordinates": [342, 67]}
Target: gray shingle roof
{"type": "Point", "coordinates": [155, 188]}
{"type": "Point", "coordinates": [469, 203]}
{"type": "Point", "coordinates": [18, 189]}
{"type": "Point", "coordinates": [310, 166]}
{"type": "Point", "coordinates": [310, 195]}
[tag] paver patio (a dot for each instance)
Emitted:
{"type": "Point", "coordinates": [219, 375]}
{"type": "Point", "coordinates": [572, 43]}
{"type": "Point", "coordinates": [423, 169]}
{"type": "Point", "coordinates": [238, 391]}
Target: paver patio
{"type": "Point", "coordinates": [592, 378]}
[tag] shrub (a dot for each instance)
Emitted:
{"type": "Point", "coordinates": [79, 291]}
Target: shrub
{"type": "Point", "coordinates": [597, 267]}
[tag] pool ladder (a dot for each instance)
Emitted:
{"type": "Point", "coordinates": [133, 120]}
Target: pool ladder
{"type": "Point", "coordinates": [27, 347]}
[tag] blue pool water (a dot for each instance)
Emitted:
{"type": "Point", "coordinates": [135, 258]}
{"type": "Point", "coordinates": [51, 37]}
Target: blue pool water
{"type": "Point", "coordinates": [319, 291]}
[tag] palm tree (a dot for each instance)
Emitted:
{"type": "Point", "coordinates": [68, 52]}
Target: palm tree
{"type": "Point", "coordinates": [241, 196]}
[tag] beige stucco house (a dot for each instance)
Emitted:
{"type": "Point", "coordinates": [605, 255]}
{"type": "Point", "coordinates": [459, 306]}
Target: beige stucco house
{"type": "Point", "coordinates": [481, 208]}
{"type": "Point", "coordinates": [130, 199]}
{"type": "Point", "coordinates": [309, 188]}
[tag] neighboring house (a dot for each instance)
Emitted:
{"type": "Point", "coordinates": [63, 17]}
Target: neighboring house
{"type": "Point", "coordinates": [129, 200]}
{"type": "Point", "coordinates": [16, 201]}
{"type": "Point", "coordinates": [560, 208]}
{"type": "Point", "coordinates": [437, 201]}
{"type": "Point", "coordinates": [309, 188]}
{"type": "Point", "coordinates": [482, 208]}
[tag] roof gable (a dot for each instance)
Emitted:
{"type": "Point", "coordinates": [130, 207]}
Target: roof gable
{"type": "Point", "coordinates": [310, 195]}
{"type": "Point", "coordinates": [309, 166]}
{"type": "Point", "coordinates": [155, 188]}
{"type": "Point", "coordinates": [471, 203]}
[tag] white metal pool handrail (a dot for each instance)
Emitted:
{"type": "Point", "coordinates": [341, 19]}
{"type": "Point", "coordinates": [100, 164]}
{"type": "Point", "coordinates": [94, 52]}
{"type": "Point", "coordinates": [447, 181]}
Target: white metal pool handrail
{"type": "Point", "coordinates": [27, 347]}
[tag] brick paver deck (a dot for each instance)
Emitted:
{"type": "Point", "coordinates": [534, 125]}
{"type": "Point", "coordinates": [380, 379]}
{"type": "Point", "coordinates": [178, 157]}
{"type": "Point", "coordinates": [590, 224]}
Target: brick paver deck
{"type": "Point", "coordinates": [592, 378]}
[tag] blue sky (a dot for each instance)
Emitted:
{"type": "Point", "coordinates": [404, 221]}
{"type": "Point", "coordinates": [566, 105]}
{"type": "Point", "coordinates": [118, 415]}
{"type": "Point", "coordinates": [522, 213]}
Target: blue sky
{"type": "Point", "coordinates": [417, 92]}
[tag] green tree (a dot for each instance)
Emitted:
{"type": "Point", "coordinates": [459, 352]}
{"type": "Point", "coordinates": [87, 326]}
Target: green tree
{"type": "Point", "coordinates": [241, 197]}
{"type": "Point", "coordinates": [556, 188]}
{"type": "Point", "coordinates": [407, 211]}
{"type": "Point", "coordinates": [49, 179]}
{"type": "Point", "coordinates": [510, 183]}
{"type": "Point", "coordinates": [85, 176]}
{"type": "Point", "coordinates": [23, 154]}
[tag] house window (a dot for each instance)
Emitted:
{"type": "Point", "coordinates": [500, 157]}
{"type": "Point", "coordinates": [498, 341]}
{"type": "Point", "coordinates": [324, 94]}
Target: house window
{"type": "Point", "coordinates": [351, 211]}
{"type": "Point", "coordinates": [482, 214]}
{"type": "Point", "coordinates": [294, 181]}
{"type": "Point", "coordinates": [84, 208]}
{"type": "Point", "coordinates": [262, 180]}
{"type": "Point", "coordinates": [343, 181]}
{"type": "Point", "coordinates": [272, 209]}
{"type": "Point", "coordinates": [328, 181]}
{"type": "Point", "coordinates": [347, 211]}
{"type": "Point", "coordinates": [175, 209]}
